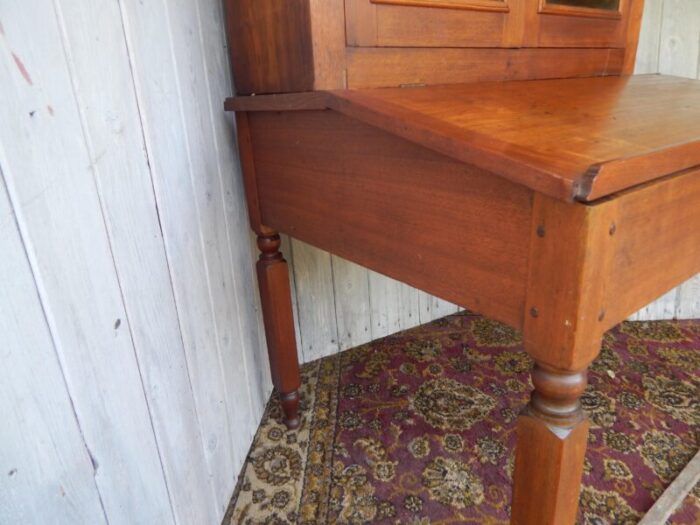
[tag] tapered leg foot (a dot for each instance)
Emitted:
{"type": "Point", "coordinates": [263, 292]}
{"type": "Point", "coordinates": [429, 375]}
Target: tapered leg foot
{"type": "Point", "coordinates": [276, 299]}
{"type": "Point", "coordinates": [290, 407]}
{"type": "Point", "coordinates": [552, 437]}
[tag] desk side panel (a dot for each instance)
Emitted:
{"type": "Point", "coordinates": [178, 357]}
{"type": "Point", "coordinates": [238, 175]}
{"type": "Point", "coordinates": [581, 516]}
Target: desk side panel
{"type": "Point", "coordinates": [658, 245]}
{"type": "Point", "coordinates": [395, 207]}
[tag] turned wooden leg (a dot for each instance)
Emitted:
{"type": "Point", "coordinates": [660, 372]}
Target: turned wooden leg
{"type": "Point", "coordinates": [276, 299]}
{"type": "Point", "coordinates": [552, 436]}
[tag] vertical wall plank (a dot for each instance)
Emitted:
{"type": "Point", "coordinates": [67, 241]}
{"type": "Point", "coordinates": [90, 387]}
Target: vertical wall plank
{"type": "Point", "coordinates": [47, 476]}
{"type": "Point", "coordinates": [441, 308]}
{"type": "Point", "coordinates": [670, 44]}
{"type": "Point", "coordinates": [167, 53]}
{"type": "Point", "coordinates": [409, 306]}
{"type": "Point", "coordinates": [663, 308]}
{"type": "Point", "coordinates": [317, 321]}
{"type": "Point", "coordinates": [286, 248]}
{"type": "Point", "coordinates": [688, 300]}
{"type": "Point", "coordinates": [649, 38]}
{"type": "Point", "coordinates": [94, 36]}
{"type": "Point", "coordinates": [384, 305]}
{"type": "Point", "coordinates": [49, 177]}
{"type": "Point", "coordinates": [218, 82]}
{"type": "Point", "coordinates": [425, 303]}
{"type": "Point", "coordinates": [352, 304]}
{"type": "Point", "coordinates": [680, 38]}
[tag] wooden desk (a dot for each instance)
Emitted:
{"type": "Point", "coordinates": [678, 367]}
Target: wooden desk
{"type": "Point", "coordinates": [557, 206]}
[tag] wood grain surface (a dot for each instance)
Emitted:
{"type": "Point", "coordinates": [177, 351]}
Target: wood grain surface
{"type": "Point", "coordinates": [377, 201]}
{"type": "Point", "coordinates": [576, 139]}
{"type": "Point", "coordinates": [658, 234]}
{"type": "Point", "coordinates": [369, 67]}
{"type": "Point", "coordinates": [126, 267]}
{"type": "Point", "coordinates": [271, 45]}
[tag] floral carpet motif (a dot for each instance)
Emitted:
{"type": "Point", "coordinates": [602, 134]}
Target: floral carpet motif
{"type": "Point", "coordinates": [419, 428]}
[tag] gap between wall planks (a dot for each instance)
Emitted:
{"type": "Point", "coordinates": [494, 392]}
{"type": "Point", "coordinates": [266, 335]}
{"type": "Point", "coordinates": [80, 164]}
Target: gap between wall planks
{"type": "Point", "coordinates": [123, 178]}
{"type": "Point", "coordinates": [331, 290]}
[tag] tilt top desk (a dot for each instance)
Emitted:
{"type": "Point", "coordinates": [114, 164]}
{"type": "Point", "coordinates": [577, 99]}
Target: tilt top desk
{"type": "Point", "coordinates": [558, 206]}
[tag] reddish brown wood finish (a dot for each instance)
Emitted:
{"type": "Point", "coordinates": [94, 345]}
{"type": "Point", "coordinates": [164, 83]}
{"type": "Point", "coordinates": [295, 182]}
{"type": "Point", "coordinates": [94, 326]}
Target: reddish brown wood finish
{"type": "Point", "coordinates": [371, 67]}
{"type": "Point", "coordinates": [634, 23]}
{"type": "Point", "coordinates": [470, 191]}
{"type": "Point", "coordinates": [275, 295]}
{"type": "Point", "coordinates": [469, 5]}
{"type": "Point", "coordinates": [378, 200]}
{"type": "Point", "coordinates": [279, 102]}
{"type": "Point", "coordinates": [573, 139]}
{"type": "Point", "coordinates": [271, 45]}
{"type": "Point", "coordinates": [413, 184]}
{"type": "Point", "coordinates": [572, 249]}
{"type": "Point", "coordinates": [549, 25]}
{"type": "Point", "coordinates": [483, 23]}
{"type": "Point", "coordinates": [286, 46]}
{"type": "Point", "coordinates": [301, 45]}
{"type": "Point", "coordinates": [245, 152]}
{"type": "Point", "coordinates": [552, 436]}
{"type": "Point", "coordinates": [657, 243]}
{"type": "Point", "coordinates": [373, 24]}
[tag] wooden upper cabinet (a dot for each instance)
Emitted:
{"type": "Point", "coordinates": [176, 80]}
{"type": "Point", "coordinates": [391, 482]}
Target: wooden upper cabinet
{"type": "Point", "coordinates": [282, 46]}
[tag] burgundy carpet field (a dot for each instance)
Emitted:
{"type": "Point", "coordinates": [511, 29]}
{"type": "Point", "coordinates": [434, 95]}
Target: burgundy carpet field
{"type": "Point", "coordinates": [419, 428]}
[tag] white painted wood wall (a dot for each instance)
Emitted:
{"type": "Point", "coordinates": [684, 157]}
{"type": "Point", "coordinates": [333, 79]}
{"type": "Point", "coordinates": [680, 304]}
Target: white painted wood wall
{"type": "Point", "coordinates": [133, 370]}
{"type": "Point", "coordinates": [340, 305]}
{"type": "Point", "coordinates": [133, 375]}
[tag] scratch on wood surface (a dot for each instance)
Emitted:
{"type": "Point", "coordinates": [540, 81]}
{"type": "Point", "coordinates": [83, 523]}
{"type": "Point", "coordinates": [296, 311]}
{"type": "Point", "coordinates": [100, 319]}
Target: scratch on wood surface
{"type": "Point", "coordinates": [22, 69]}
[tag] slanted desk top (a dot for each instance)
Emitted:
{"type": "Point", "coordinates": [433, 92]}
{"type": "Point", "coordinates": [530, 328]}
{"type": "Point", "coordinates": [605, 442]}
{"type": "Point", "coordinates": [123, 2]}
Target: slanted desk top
{"type": "Point", "coordinates": [575, 139]}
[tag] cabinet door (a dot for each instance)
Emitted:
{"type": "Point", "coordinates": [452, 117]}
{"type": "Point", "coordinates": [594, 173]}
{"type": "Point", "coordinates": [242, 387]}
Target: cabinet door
{"type": "Point", "coordinates": [576, 23]}
{"type": "Point", "coordinates": [433, 23]}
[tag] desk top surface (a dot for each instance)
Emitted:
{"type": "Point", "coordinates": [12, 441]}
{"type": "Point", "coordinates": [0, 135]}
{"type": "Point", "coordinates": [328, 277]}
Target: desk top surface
{"type": "Point", "coordinates": [575, 139]}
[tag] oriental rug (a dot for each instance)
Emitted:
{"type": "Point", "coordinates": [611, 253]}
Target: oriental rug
{"type": "Point", "coordinates": [418, 428]}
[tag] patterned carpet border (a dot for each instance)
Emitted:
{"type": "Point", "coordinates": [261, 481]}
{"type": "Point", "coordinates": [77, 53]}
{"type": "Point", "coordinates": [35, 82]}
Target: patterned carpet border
{"type": "Point", "coordinates": [419, 428]}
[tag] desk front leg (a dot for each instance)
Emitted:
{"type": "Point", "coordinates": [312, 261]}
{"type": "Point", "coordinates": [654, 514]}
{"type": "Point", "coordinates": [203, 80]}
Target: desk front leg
{"type": "Point", "coordinates": [276, 299]}
{"type": "Point", "coordinates": [571, 250]}
{"type": "Point", "coordinates": [552, 437]}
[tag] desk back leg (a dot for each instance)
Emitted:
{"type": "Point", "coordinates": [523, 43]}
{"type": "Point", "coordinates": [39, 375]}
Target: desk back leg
{"type": "Point", "coordinates": [275, 295]}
